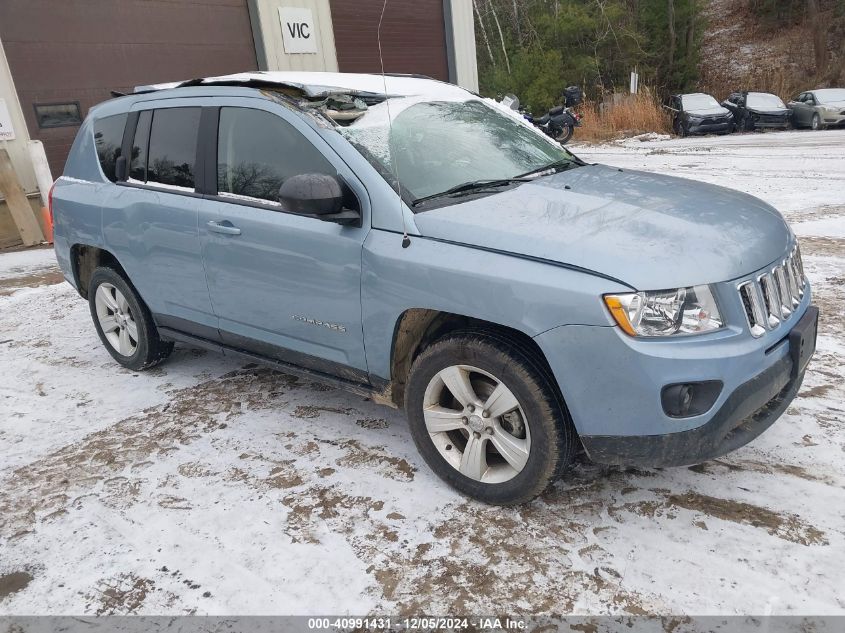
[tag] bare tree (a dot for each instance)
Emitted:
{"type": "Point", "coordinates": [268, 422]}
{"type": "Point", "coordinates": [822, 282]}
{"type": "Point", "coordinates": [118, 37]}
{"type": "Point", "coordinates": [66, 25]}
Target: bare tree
{"type": "Point", "coordinates": [670, 14]}
{"type": "Point", "coordinates": [819, 36]}
{"type": "Point", "coordinates": [516, 22]}
{"type": "Point", "coordinates": [501, 35]}
{"type": "Point", "coordinates": [484, 33]}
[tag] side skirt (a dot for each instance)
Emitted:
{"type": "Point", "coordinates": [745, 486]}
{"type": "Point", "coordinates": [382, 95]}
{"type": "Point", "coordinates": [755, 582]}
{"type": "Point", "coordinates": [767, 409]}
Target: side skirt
{"type": "Point", "coordinates": [378, 392]}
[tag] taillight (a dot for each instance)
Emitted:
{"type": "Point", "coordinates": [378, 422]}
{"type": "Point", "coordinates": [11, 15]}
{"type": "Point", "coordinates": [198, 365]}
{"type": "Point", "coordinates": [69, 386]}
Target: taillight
{"type": "Point", "coordinates": [50, 202]}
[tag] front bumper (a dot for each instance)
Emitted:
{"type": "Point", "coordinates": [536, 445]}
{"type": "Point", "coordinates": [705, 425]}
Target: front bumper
{"type": "Point", "coordinates": [717, 127]}
{"type": "Point", "coordinates": [833, 120]}
{"type": "Point", "coordinates": [771, 124]}
{"type": "Point", "coordinates": [612, 386]}
{"type": "Point", "coordinates": [749, 411]}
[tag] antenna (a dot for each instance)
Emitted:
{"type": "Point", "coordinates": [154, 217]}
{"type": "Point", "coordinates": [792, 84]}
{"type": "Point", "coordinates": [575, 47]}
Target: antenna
{"type": "Point", "coordinates": [406, 241]}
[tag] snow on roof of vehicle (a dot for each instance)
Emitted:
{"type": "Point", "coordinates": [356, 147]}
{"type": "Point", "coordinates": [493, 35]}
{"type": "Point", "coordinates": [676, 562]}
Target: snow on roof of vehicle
{"type": "Point", "coordinates": [318, 84]}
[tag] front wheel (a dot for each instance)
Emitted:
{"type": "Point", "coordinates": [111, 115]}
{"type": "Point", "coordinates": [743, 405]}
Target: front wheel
{"type": "Point", "coordinates": [486, 417]}
{"type": "Point", "coordinates": [817, 122]}
{"type": "Point", "coordinates": [566, 134]}
{"type": "Point", "coordinates": [123, 322]}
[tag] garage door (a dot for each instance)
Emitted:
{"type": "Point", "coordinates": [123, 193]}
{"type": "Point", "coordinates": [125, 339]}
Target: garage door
{"type": "Point", "coordinates": [413, 36]}
{"type": "Point", "coordinates": [67, 56]}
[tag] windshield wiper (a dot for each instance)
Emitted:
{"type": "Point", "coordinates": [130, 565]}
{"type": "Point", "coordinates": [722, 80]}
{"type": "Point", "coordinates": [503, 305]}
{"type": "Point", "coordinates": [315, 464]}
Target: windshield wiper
{"type": "Point", "coordinates": [555, 167]}
{"type": "Point", "coordinates": [470, 187]}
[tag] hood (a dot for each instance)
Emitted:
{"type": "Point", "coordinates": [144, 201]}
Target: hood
{"type": "Point", "coordinates": [833, 104]}
{"type": "Point", "coordinates": [714, 111]}
{"type": "Point", "coordinates": [653, 232]}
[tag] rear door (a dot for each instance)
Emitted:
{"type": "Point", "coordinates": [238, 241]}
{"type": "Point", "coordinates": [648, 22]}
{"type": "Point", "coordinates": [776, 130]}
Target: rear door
{"type": "Point", "coordinates": [150, 219]}
{"type": "Point", "coordinates": [283, 285]}
{"type": "Point", "coordinates": [801, 112]}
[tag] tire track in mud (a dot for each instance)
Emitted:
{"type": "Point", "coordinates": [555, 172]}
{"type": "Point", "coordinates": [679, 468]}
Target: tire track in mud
{"type": "Point", "coordinates": [550, 553]}
{"type": "Point", "coordinates": [106, 464]}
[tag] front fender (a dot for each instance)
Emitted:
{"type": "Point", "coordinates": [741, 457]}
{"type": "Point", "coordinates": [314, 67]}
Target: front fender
{"type": "Point", "coordinates": [525, 294]}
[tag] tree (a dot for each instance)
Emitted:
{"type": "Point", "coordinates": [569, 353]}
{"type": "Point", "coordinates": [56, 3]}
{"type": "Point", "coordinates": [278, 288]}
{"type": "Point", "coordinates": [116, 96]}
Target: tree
{"type": "Point", "coordinates": [545, 45]}
{"type": "Point", "coordinates": [819, 36]}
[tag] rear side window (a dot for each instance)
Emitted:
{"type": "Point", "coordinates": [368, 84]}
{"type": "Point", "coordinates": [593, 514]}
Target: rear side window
{"type": "Point", "coordinates": [168, 156]}
{"type": "Point", "coordinates": [108, 139]}
{"type": "Point", "coordinates": [257, 151]}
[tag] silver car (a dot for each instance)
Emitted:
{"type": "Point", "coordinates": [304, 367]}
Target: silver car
{"type": "Point", "coordinates": [819, 109]}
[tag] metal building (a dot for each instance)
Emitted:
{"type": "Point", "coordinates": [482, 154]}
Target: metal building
{"type": "Point", "coordinates": [57, 59]}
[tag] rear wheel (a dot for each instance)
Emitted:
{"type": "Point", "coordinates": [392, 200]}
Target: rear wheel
{"type": "Point", "coordinates": [123, 322]}
{"type": "Point", "coordinates": [565, 135]}
{"type": "Point", "coordinates": [487, 419]}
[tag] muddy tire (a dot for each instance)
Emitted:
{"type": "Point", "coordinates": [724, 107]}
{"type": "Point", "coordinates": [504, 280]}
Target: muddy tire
{"type": "Point", "coordinates": [487, 418]}
{"type": "Point", "coordinates": [123, 322]}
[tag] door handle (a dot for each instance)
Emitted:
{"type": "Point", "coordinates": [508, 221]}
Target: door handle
{"type": "Point", "coordinates": [225, 227]}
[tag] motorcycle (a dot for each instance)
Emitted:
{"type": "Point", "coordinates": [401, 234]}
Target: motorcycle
{"type": "Point", "coordinates": [558, 123]}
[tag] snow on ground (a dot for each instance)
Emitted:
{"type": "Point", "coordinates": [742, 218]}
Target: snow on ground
{"type": "Point", "coordinates": [212, 487]}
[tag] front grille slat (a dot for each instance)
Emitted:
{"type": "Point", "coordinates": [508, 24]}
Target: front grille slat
{"type": "Point", "coordinates": [771, 299]}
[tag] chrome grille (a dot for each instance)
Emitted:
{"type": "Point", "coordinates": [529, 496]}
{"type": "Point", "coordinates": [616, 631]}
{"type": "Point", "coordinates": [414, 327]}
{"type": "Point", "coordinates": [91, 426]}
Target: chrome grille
{"type": "Point", "coordinates": [774, 295]}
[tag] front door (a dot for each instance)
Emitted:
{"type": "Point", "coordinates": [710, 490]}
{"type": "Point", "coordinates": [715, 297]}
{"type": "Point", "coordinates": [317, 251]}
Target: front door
{"type": "Point", "coordinates": [283, 285]}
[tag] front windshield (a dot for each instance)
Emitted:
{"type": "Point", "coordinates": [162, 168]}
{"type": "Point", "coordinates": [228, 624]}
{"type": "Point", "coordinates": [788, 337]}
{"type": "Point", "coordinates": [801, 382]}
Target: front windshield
{"type": "Point", "coordinates": [830, 95]}
{"type": "Point", "coordinates": [433, 146]}
{"type": "Point", "coordinates": [764, 101]}
{"type": "Point", "coordinates": [699, 102]}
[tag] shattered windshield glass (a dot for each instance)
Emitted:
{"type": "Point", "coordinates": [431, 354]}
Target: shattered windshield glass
{"type": "Point", "coordinates": [433, 146]}
{"type": "Point", "coordinates": [700, 102]}
{"type": "Point", "coordinates": [764, 101]}
{"type": "Point", "coordinates": [830, 95]}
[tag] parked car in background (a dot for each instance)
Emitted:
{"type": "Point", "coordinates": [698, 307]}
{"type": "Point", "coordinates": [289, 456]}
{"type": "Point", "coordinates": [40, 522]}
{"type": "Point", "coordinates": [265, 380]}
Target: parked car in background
{"type": "Point", "coordinates": [758, 110]}
{"type": "Point", "coordinates": [409, 241]}
{"type": "Point", "coordinates": [819, 109]}
{"type": "Point", "coordinates": [699, 113]}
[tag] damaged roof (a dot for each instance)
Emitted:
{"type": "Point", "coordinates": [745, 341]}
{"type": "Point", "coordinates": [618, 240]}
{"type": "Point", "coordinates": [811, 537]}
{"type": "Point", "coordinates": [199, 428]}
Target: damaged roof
{"type": "Point", "coordinates": [321, 84]}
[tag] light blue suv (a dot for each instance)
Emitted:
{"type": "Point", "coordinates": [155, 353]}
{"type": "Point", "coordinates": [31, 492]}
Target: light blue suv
{"type": "Point", "coordinates": [411, 241]}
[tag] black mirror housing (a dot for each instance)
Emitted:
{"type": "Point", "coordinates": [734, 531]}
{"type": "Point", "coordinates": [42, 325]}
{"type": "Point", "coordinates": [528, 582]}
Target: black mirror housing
{"type": "Point", "coordinates": [318, 195]}
{"type": "Point", "coordinates": [311, 194]}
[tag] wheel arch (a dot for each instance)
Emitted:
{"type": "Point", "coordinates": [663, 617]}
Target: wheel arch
{"type": "Point", "coordinates": [85, 259]}
{"type": "Point", "coordinates": [417, 328]}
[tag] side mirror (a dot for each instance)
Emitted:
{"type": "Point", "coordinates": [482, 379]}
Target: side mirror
{"type": "Point", "coordinates": [318, 195]}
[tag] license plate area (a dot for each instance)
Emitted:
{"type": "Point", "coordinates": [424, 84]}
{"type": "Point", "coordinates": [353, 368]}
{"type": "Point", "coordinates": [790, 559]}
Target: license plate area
{"type": "Point", "coordinates": [802, 341]}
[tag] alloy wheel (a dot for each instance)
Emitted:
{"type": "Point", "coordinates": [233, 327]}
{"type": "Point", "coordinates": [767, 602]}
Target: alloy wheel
{"type": "Point", "coordinates": [116, 319]}
{"type": "Point", "coordinates": [476, 423]}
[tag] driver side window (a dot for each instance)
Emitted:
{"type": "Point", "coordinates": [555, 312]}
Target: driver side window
{"type": "Point", "coordinates": [257, 151]}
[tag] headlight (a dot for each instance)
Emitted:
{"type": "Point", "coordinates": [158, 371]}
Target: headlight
{"type": "Point", "coordinates": [666, 312]}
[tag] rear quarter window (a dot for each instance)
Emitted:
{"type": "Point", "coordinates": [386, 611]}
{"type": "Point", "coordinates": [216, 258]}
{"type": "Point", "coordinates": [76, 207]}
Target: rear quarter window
{"type": "Point", "coordinates": [108, 139]}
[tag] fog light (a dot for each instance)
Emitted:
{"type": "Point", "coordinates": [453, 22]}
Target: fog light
{"type": "Point", "coordinates": [686, 400]}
